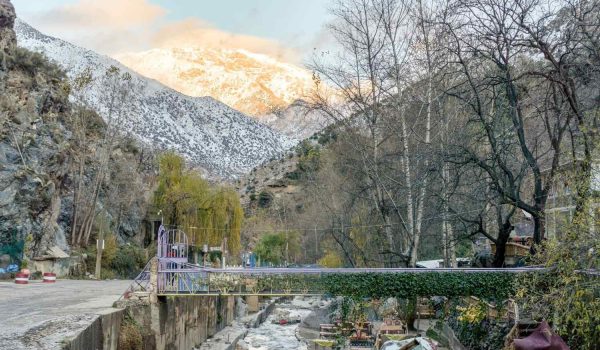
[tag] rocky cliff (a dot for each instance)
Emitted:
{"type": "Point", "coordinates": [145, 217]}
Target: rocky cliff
{"type": "Point", "coordinates": [37, 149]}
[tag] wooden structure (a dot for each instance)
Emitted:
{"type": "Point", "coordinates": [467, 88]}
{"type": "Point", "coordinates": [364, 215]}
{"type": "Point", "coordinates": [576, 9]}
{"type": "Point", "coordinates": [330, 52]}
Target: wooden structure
{"type": "Point", "coordinates": [391, 329]}
{"type": "Point", "coordinates": [516, 249]}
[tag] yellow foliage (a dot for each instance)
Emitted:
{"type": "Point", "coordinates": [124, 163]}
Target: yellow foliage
{"type": "Point", "coordinates": [110, 250]}
{"type": "Point", "coordinates": [471, 314]}
{"type": "Point", "coordinates": [331, 259]}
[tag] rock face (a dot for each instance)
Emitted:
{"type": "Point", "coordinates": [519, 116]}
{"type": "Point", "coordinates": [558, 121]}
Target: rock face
{"type": "Point", "coordinates": [32, 155]}
{"type": "Point", "coordinates": [8, 39]}
{"type": "Point", "coordinates": [37, 151]}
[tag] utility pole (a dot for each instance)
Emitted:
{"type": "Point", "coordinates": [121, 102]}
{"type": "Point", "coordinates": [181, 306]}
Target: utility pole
{"type": "Point", "coordinates": [316, 244]}
{"type": "Point", "coordinates": [99, 249]}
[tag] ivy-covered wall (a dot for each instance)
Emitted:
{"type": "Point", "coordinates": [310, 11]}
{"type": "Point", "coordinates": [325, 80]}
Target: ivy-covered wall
{"type": "Point", "coordinates": [488, 285]}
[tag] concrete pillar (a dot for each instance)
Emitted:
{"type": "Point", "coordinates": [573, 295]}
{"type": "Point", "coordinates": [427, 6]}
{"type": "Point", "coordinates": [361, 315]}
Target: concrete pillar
{"type": "Point", "coordinates": [154, 281]}
{"type": "Point", "coordinates": [252, 302]}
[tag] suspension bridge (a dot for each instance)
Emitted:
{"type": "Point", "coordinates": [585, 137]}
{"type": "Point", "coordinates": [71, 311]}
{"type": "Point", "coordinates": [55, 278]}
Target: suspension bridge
{"type": "Point", "coordinates": [172, 273]}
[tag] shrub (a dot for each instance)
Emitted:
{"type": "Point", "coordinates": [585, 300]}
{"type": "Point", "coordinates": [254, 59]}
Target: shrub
{"type": "Point", "coordinates": [475, 330]}
{"type": "Point", "coordinates": [265, 199]}
{"type": "Point", "coordinates": [331, 259]}
{"type": "Point", "coordinates": [34, 63]}
{"type": "Point", "coordinates": [128, 261]}
{"type": "Point", "coordinates": [130, 335]}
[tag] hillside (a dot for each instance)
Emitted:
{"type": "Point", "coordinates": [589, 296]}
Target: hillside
{"type": "Point", "coordinates": [39, 153]}
{"type": "Point", "coordinates": [214, 137]}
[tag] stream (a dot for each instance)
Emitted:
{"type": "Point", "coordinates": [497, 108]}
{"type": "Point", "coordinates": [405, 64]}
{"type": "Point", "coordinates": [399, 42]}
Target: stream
{"type": "Point", "coordinates": [269, 336]}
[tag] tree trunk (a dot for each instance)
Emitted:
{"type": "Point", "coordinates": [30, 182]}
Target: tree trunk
{"type": "Point", "coordinates": [76, 204]}
{"type": "Point", "coordinates": [503, 235]}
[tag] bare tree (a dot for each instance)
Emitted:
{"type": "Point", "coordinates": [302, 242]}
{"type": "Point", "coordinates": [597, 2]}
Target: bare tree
{"type": "Point", "coordinates": [118, 87]}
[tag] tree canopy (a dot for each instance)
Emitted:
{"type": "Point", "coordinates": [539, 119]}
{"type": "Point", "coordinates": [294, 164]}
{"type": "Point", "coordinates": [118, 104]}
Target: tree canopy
{"type": "Point", "coordinates": [208, 214]}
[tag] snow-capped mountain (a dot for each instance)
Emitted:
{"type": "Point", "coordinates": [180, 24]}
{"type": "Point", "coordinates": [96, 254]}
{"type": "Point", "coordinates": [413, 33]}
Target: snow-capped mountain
{"type": "Point", "coordinates": [297, 121]}
{"type": "Point", "coordinates": [252, 83]}
{"type": "Point", "coordinates": [217, 138]}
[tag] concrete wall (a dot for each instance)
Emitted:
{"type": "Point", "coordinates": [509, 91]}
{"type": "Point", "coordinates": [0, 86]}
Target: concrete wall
{"type": "Point", "coordinates": [102, 334]}
{"type": "Point", "coordinates": [174, 323]}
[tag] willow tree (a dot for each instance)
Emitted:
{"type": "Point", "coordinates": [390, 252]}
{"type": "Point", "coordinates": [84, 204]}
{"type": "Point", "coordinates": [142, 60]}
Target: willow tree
{"type": "Point", "coordinates": [208, 214]}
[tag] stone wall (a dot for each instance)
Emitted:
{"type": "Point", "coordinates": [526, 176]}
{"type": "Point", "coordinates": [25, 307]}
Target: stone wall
{"type": "Point", "coordinates": [174, 323]}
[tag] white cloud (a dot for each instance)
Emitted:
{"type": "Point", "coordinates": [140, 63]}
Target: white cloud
{"type": "Point", "coordinates": [196, 33]}
{"type": "Point", "coordinates": [111, 14]}
{"type": "Point", "coordinates": [113, 27]}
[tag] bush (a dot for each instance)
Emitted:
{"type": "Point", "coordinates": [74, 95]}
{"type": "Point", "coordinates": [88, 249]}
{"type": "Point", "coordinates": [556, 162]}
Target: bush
{"type": "Point", "coordinates": [564, 296]}
{"type": "Point", "coordinates": [128, 261]}
{"type": "Point", "coordinates": [331, 259]}
{"type": "Point", "coordinates": [265, 199]}
{"type": "Point", "coordinates": [123, 262]}
{"type": "Point", "coordinates": [130, 335]}
{"type": "Point", "coordinates": [475, 330]}
{"type": "Point", "coordinates": [34, 63]}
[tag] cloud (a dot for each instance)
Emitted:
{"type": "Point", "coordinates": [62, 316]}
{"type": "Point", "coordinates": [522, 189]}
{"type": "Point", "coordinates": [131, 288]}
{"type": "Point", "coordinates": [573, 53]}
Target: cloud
{"type": "Point", "coordinates": [196, 33]}
{"type": "Point", "coordinates": [114, 27]}
{"type": "Point", "coordinates": [111, 14]}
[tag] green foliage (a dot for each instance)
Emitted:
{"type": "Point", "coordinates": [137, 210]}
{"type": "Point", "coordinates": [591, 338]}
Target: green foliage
{"type": "Point", "coordinates": [567, 298]}
{"type": "Point", "coordinates": [128, 261]}
{"type": "Point", "coordinates": [110, 251]}
{"type": "Point", "coordinates": [26, 248]}
{"type": "Point", "coordinates": [492, 285]}
{"type": "Point", "coordinates": [123, 261]}
{"type": "Point", "coordinates": [475, 330]}
{"type": "Point", "coordinates": [309, 160]}
{"type": "Point", "coordinates": [271, 247]}
{"type": "Point", "coordinates": [208, 213]}
{"type": "Point", "coordinates": [331, 259]}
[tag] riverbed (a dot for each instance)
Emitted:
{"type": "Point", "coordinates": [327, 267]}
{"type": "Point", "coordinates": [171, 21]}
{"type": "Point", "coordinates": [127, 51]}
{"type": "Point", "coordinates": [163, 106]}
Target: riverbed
{"type": "Point", "coordinates": [270, 336]}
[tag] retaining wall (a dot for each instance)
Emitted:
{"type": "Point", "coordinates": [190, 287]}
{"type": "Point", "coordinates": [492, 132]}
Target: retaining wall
{"type": "Point", "coordinates": [174, 323]}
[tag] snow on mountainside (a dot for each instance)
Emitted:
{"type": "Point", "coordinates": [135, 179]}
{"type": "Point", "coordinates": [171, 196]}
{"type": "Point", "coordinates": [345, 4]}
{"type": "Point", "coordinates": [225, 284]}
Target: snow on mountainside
{"type": "Point", "coordinates": [220, 140]}
{"type": "Point", "coordinates": [252, 83]}
{"type": "Point", "coordinates": [296, 121]}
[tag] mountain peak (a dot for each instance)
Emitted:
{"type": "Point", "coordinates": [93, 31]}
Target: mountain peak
{"type": "Point", "coordinates": [255, 84]}
{"type": "Point", "coordinates": [222, 141]}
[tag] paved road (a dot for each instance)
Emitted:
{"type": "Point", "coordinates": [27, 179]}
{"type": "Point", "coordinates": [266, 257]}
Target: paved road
{"type": "Point", "coordinates": [42, 315]}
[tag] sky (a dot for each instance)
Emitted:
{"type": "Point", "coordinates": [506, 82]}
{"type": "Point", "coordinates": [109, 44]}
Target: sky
{"type": "Point", "coordinates": [286, 29]}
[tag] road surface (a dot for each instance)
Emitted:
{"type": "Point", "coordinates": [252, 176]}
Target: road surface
{"type": "Point", "coordinates": [41, 315]}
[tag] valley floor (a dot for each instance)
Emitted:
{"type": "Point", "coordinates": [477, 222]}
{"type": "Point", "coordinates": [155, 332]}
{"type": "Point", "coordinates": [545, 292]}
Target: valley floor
{"type": "Point", "coordinates": [41, 316]}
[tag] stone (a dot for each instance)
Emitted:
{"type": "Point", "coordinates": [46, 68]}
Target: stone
{"type": "Point", "coordinates": [252, 302]}
{"type": "Point", "coordinates": [8, 39]}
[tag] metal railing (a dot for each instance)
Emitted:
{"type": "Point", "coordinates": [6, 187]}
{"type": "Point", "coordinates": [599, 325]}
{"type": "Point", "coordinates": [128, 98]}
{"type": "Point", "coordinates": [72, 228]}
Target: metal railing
{"type": "Point", "coordinates": [141, 283]}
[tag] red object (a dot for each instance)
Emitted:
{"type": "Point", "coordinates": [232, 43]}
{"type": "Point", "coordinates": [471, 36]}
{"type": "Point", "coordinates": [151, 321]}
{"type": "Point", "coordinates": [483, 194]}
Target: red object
{"type": "Point", "coordinates": [542, 338]}
{"type": "Point", "coordinates": [282, 321]}
{"type": "Point", "coordinates": [21, 278]}
{"type": "Point", "coordinates": [49, 277]}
